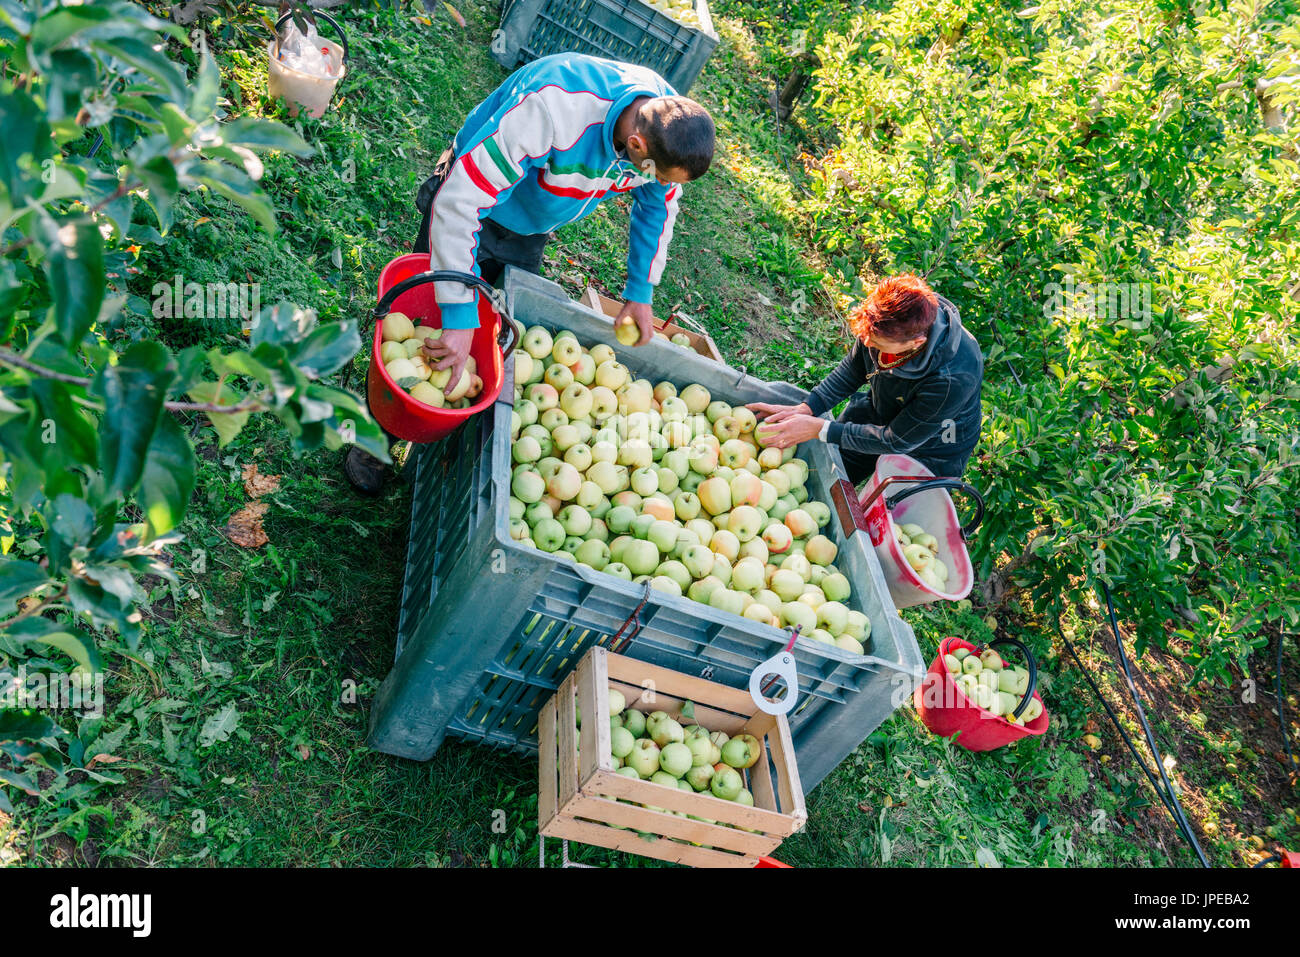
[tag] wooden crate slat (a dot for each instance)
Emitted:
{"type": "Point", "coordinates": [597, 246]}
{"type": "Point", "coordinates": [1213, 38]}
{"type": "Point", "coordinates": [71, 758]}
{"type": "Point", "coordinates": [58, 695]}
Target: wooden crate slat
{"type": "Point", "coordinates": [698, 690]}
{"type": "Point", "coordinates": [566, 721]}
{"type": "Point", "coordinates": [611, 784]}
{"type": "Point", "coordinates": [760, 781]}
{"type": "Point", "coordinates": [548, 767]}
{"type": "Point", "coordinates": [787, 779]}
{"type": "Point", "coordinates": [714, 720]}
{"type": "Point", "coordinates": [661, 849]}
{"type": "Point", "coordinates": [609, 811]}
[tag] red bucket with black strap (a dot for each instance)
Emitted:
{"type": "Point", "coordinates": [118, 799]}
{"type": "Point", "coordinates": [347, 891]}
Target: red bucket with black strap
{"type": "Point", "coordinates": [945, 709]}
{"type": "Point", "coordinates": [406, 286]}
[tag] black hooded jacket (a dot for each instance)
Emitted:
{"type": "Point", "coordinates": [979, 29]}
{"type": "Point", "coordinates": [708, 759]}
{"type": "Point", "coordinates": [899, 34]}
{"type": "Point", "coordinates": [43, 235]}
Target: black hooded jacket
{"type": "Point", "coordinates": [928, 407]}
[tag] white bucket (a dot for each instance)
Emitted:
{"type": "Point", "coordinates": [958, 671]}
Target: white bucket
{"type": "Point", "coordinates": [302, 89]}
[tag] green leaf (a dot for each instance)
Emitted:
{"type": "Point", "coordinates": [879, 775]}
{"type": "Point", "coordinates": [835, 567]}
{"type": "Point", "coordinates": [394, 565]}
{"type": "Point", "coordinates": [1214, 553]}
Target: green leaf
{"type": "Point", "coordinates": [74, 265]}
{"type": "Point", "coordinates": [219, 726]}
{"type": "Point", "coordinates": [24, 144]}
{"type": "Point", "coordinates": [168, 479]}
{"type": "Point", "coordinates": [327, 348]}
{"type": "Point", "coordinates": [257, 133]}
{"type": "Point", "coordinates": [153, 63]}
{"type": "Point", "coordinates": [73, 521]}
{"type": "Point", "coordinates": [64, 23]}
{"type": "Point", "coordinates": [18, 579]}
{"type": "Point", "coordinates": [133, 391]}
{"type": "Point", "coordinates": [72, 642]}
{"type": "Point", "coordinates": [237, 187]}
{"type": "Point", "coordinates": [227, 424]}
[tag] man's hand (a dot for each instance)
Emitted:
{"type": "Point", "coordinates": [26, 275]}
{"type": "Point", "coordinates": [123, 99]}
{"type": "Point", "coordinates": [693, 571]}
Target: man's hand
{"type": "Point", "coordinates": [449, 351]}
{"type": "Point", "coordinates": [773, 414]}
{"type": "Point", "coordinates": [644, 317]}
{"type": "Point", "coordinates": [792, 429]}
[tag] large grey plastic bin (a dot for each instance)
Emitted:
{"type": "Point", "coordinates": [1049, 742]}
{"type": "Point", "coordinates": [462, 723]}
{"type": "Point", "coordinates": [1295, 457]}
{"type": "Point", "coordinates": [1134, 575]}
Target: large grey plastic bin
{"type": "Point", "coordinates": [489, 628]}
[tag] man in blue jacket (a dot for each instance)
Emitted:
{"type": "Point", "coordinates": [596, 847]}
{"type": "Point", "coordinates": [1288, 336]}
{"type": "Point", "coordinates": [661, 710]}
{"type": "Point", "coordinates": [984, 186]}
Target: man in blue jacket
{"type": "Point", "coordinates": [561, 135]}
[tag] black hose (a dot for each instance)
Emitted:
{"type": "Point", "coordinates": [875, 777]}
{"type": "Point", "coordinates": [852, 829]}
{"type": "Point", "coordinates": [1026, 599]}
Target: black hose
{"type": "Point", "coordinates": [1281, 713]}
{"type": "Point", "coordinates": [1146, 729]}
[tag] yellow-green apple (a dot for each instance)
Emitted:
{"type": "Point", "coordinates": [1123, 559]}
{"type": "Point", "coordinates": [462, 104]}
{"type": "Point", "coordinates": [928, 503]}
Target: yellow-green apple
{"type": "Point", "coordinates": [726, 428]}
{"type": "Point", "coordinates": [755, 748]}
{"type": "Point", "coordinates": [833, 616]}
{"type": "Point", "coordinates": [558, 377]}
{"type": "Point", "coordinates": [696, 398]}
{"type": "Point", "coordinates": [663, 534]}
{"type": "Point", "coordinates": [778, 538]}
{"type": "Point", "coordinates": [722, 568]}
{"type": "Point", "coordinates": [576, 400]}
{"type": "Point", "coordinates": [822, 635]}
{"type": "Point", "coordinates": [610, 477]}
{"type": "Point", "coordinates": [575, 519]}
{"type": "Point", "coordinates": [788, 585]}
{"type": "Point", "coordinates": [666, 731]}
{"type": "Point", "coordinates": [725, 543]}
{"type": "Point", "coordinates": [797, 563]}
{"type": "Point", "coordinates": [675, 757]}
{"type": "Point", "coordinates": [1013, 680]}
{"type": "Point", "coordinates": [565, 350]}
{"type": "Point", "coordinates": [770, 599]}
{"type": "Point", "coordinates": [620, 519]}
{"type": "Point", "coordinates": [676, 571]}
{"type": "Point", "coordinates": [645, 481]}
{"type": "Point", "coordinates": [583, 369]}
{"type": "Point", "coordinates": [952, 664]}
{"type": "Point", "coordinates": [770, 460]}
{"type": "Point", "coordinates": [604, 402]}
{"type": "Point", "coordinates": [820, 512]}
{"type": "Point", "coordinates": [579, 456]}
{"type": "Point", "coordinates": [542, 395]}
{"type": "Point", "coordinates": [699, 776]}
{"type": "Point", "coordinates": [1032, 710]}
{"type": "Point", "coordinates": [820, 549]}
{"type": "Point", "coordinates": [747, 575]}
{"type": "Point", "coordinates": [397, 327]}
{"type": "Point", "coordinates": [698, 560]}
{"type": "Point", "coordinates": [797, 469]}
{"type": "Point", "coordinates": [745, 522]}
{"type": "Point", "coordinates": [716, 410]}
{"type": "Point", "coordinates": [859, 626]}
{"type": "Point", "coordinates": [702, 589]}
{"type": "Point", "coordinates": [734, 453]}
{"type": "Point", "coordinates": [849, 643]}
{"type": "Point", "coordinates": [736, 753]}
{"type": "Point", "coordinates": [800, 523]}
{"type": "Point", "coordinates": [703, 458]}
{"type": "Point", "coordinates": [641, 557]}
{"type": "Point", "coordinates": [835, 587]}
{"type": "Point", "coordinates": [971, 665]}
{"type": "Point", "coordinates": [714, 495]}
{"type": "Point", "coordinates": [796, 613]}
{"type": "Point", "coordinates": [991, 660]}
{"type": "Point", "coordinates": [621, 742]}
{"type": "Point", "coordinates": [686, 505]}
{"type": "Point", "coordinates": [601, 353]}
{"type": "Point", "coordinates": [634, 722]}
{"type": "Point", "coordinates": [564, 482]}
{"type": "Point", "coordinates": [725, 599]}
{"type": "Point", "coordinates": [611, 374]}
{"type": "Point", "coordinates": [537, 342]}
{"type": "Point", "coordinates": [755, 548]}
{"type": "Point", "coordinates": [593, 552]}
{"type": "Point", "coordinates": [726, 783]}
{"type": "Point", "coordinates": [391, 351]}
{"type": "Point", "coordinates": [745, 489]}
{"type": "Point", "coordinates": [641, 524]}
{"type": "Point", "coordinates": [767, 495]}
{"type": "Point", "coordinates": [673, 409]}
{"type": "Point", "coordinates": [548, 534]}
{"type": "Point", "coordinates": [679, 460]}
{"type": "Point", "coordinates": [528, 487]}
{"type": "Point", "coordinates": [643, 758]}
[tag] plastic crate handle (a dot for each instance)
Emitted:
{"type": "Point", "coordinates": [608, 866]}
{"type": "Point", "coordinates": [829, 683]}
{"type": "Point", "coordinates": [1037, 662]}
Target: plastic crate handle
{"type": "Point", "coordinates": [507, 339]}
{"type": "Point", "coordinates": [311, 18]}
{"type": "Point", "coordinates": [924, 485]}
{"type": "Point", "coordinates": [782, 665]}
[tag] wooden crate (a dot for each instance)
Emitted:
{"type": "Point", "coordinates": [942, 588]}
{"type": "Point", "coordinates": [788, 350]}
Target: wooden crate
{"type": "Point", "coordinates": [700, 342]}
{"type": "Point", "coordinates": [579, 789]}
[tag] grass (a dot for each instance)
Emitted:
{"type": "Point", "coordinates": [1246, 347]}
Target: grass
{"type": "Point", "coordinates": [241, 723]}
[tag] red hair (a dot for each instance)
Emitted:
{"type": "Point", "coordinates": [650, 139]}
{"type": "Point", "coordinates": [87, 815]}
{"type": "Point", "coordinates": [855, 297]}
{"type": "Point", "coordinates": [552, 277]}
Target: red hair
{"type": "Point", "coordinates": [899, 309]}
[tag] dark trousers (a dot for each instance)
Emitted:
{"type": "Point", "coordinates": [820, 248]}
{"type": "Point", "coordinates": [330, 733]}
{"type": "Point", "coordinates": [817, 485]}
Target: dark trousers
{"type": "Point", "coordinates": [498, 247]}
{"type": "Point", "coordinates": [861, 465]}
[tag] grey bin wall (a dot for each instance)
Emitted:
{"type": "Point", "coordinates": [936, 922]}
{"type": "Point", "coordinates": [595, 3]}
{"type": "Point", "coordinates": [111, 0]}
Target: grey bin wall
{"type": "Point", "coordinates": [488, 627]}
{"type": "Point", "coordinates": [625, 30]}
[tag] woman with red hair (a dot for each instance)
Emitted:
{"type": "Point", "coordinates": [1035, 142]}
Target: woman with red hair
{"type": "Point", "coordinates": [923, 371]}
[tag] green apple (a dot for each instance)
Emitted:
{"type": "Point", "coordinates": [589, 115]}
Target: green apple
{"type": "Point", "coordinates": [701, 748]}
{"type": "Point", "coordinates": [725, 599]}
{"type": "Point", "coordinates": [677, 572]}
{"type": "Point", "coordinates": [726, 783]}
{"type": "Point", "coordinates": [989, 679]}
{"type": "Point", "coordinates": [621, 742]}
{"type": "Point", "coordinates": [663, 777]}
{"type": "Point", "coordinates": [836, 587]}
{"type": "Point", "coordinates": [952, 664]}
{"type": "Point", "coordinates": [548, 534]}
{"type": "Point", "coordinates": [641, 557]}
{"type": "Point", "coordinates": [701, 590]}
{"type": "Point", "coordinates": [667, 731]}
{"type": "Point", "coordinates": [991, 660]}
{"type": "Point", "coordinates": [575, 519]}
{"type": "Point", "coordinates": [699, 776]}
{"type": "Point", "coordinates": [644, 757]}
{"type": "Point", "coordinates": [663, 535]}
{"type": "Point", "coordinates": [745, 522]}
{"type": "Point", "coordinates": [971, 665]}
{"type": "Point", "coordinates": [634, 721]}
{"type": "Point", "coordinates": [1032, 710]}
{"type": "Point", "coordinates": [1013, 680]}
{"type": "Point", "coordinates": [833, 616]}
{"type": "Point", "coordinates": [849, 643]}
{"type": "Point", "coordinates": [675, 758]}
{"type": "Point", "coordinates": [736, 753]}
{"type": "Point", "coordinates": [618, 570]}
{"type": "Point", "coordinates": [797, 613]}
{"type": "Point", "coordinates": [789, 586]}
{"type": "Point", "coordinates": [698, 560]}
{"type": "Point", "coordinates": [666, 585]}
{"type": "Point", "coordinates": [961, 653]}
{"type": "Point", "coordinates": [593, 553]}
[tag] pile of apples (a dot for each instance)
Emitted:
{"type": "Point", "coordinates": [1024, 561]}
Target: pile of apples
{"type": "Point", "coordinates": [921, 549]}
{"type": "Point", "coordinates": [683, 11]}
{"type": "Point", "coordinates": [675, 488]}
{"type": "Point", "coordinates": [656, 747]}
{"type": "Point", "coordinates": [991, 685]}
{"type": "Point", "coordinates": [401, 355]}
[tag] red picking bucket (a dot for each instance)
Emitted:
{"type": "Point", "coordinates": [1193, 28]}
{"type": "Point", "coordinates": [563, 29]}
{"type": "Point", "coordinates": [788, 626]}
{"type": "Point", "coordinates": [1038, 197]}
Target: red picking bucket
{"type": "Point", "coordinates": [406, 286]}
{"type": "Point", "coordinates": [946, 710]}
{"type": "Point", "coordinates": [925, 503]}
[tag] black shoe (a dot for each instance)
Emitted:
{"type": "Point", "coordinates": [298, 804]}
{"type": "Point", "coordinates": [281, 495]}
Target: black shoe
{"type": "Point", "coordinates": [364, 472]}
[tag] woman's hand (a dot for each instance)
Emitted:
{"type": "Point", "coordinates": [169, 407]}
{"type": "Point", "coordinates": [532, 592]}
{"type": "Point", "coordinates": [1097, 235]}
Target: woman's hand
{"type": "Point", "coordinates": [792, 429]}
{"type": "Point", "coordinates": [449, 351]}
{"type": "Point", "coordinates": [772, 414]}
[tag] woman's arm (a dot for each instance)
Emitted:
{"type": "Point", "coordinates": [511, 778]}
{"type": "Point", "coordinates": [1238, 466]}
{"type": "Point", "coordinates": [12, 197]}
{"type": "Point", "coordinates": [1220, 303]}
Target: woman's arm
{"type": "Point", "coordinates": [849, 376]}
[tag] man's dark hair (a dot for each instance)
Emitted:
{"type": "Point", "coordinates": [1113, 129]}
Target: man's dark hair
{"type": "Point", "coordinates": [679, 134]}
